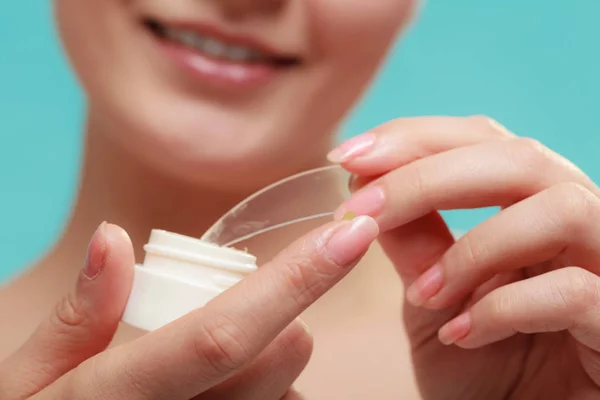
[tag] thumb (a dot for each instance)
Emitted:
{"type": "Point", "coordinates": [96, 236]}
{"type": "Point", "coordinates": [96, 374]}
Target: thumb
{"type": "Point", "coordinates": [83, 322]}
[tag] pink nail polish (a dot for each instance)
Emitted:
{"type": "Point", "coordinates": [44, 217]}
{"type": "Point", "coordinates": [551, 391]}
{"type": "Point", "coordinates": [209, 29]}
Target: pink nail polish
{"type": "Point", "coordinates": [350, 241]}
{"type": "Point", "coordinates": [367, 201]}
{"type": "Point", "coordinates": [457, 329]}
{"type": "Point", "coordinates": [426, 286]}
{"type": "Point", "coordinates": [352, 148]}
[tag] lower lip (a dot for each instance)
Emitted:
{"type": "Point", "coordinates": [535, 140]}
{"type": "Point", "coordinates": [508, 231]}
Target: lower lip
{"type": "Point", "coordinates": [218, 72]}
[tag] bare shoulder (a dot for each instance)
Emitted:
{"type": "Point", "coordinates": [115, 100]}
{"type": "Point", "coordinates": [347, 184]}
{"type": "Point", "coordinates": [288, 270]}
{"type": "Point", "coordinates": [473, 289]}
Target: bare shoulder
{"type": "Point", "coordinates": [14, 314]}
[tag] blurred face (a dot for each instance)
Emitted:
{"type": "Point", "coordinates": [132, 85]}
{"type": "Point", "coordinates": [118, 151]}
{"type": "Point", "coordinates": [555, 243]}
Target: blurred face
{"type": "Point", "coordinates": [227, 93]}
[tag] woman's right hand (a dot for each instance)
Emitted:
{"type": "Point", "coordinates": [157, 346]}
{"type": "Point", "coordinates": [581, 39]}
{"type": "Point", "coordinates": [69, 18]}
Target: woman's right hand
{"type": "Point", "coordinates": [246, 343]}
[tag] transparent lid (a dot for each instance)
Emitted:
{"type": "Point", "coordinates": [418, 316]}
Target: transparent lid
{"type": "Point", "coordinates": [299, 198]}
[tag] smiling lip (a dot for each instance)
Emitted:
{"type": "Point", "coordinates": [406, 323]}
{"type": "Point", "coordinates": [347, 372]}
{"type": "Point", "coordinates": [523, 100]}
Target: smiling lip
{"type": "Point", "coordinates": [255, 64]}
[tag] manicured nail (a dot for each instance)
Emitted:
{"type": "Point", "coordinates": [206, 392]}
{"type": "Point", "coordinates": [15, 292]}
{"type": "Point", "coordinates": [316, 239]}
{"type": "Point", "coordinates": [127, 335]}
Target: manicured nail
{"type": "Point", "coordinates": [367, 201]}
{"type": "Point", "coordinates": [354, 147]}
{"type": "Point", "coordinates": [350, 241]}
{"type": "Point", "coordinates": [456, 329]}
{"type": "Point", "coordinates": [351, 182]}
{"type": "Point", "coordinates": [355, 183]}
{"type": "Point", "coordinates": [426, 286]}
{"type": "Point", "coordinates": [96, 253]}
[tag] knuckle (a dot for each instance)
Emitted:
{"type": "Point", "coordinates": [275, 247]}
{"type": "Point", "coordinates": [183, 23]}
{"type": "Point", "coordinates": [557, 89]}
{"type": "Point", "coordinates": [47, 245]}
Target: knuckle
{"type": "Point", "coordinates": [414, 181]}
{"type": "Point", "coordinates": [69, 314]}
{"type": "Point", "coordinates": [92, 374]}
{"type": "Point", "coordinates": [470, 252]}
{"type": "Point", "coordinates": [579, 290]}
{"type": "Point", "coordinates": [501, 305]}
{"type": "Point", "coordinates": [77, 383]}
{"type": "Point", "coordinates": [481, 120]}
{"type": "Point", "coordinates": [490, 126]}
{"type": "Point", "coordinates": [304, 279]}
{"type": "Point", "coordinates": [110, 365]}
{"type": "Point", "coordinates": [128, 379]}
{"type": "Point", "coordinates": [300, 341]}
{"type": "Point", "coordinates": [222, 344]}
{"type": "Point", "coordinates": [530, 154]}
{"type": "Point", "coordinates": [575, 207]}
{"type": "Point", "coordinates": [72, 388]}
{"type": "Point", "coordinates": [305, 270]}
{"type": "Point", "coordinates": [384, 128]}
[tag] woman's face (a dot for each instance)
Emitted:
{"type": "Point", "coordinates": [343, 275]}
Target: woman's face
{"type": "Point", "coordinates": [226, 92]}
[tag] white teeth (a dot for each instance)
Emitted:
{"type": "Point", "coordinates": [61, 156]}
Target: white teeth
{"type": "Point", "coordinates": [186, 38]}
{"type": "Point", "coordinates": [171, 34]}
{"type": "Point", "coordinates": [197, 41]}
{"type": "Point", "coordinates": [213, 47]}
{"type": "Point", "coordinates": [255, 55]}
{"type": "Point", "coordinates": [239, 53]}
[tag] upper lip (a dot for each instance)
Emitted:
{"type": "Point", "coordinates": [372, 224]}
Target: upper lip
{"type": "Point", "coordinates": [226, 37]}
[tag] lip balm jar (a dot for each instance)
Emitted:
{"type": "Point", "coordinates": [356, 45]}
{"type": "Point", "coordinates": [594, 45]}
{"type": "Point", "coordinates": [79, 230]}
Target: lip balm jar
{"type": "Point", "coordinates": [180, 274]}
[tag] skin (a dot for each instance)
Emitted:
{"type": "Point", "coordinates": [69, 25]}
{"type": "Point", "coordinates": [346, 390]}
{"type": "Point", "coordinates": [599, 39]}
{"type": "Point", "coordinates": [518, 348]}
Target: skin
{"type": "Point", "coordinates": [531, 269]}
{"type": "Point", "coordinates": [213, 352]}
{"type": "Point", "coordinates": [158, 154]}
{"type": "Point", "coordinates": [156, 113]}
{"type": "Point", "coordinates": [514, 301]}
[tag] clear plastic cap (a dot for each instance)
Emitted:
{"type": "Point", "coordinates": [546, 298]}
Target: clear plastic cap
{"type": "Point", "coordinates": [306, 196]}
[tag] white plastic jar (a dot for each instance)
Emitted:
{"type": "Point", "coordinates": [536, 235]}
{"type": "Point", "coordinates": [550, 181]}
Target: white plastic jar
{"type": "Point", "coordinates": [179, 275]}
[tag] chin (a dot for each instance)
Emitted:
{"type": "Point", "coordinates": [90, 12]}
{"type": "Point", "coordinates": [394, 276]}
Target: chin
{"type": "Point", "coordinates": [244, 174]}
{"type": "Point", "coordinates": [210, 150]}
{"type": "Point", "coordinates": [223, 94]}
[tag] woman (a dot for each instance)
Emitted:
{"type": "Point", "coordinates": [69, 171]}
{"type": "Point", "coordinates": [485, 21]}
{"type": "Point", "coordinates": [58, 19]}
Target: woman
{"type": "Point", "coordinates": [192, 105]}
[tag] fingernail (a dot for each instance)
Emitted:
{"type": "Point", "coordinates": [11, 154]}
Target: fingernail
{"type": "Point", "coordinates": [354, 147]}
{"type": "Point", "coordinates": [350, 241]}
{"type": "Point", "coordinates": [355, 183]}
{"type": "Point", "coordinates": [96, 253]}
{"type": "Point", "coordinates": [456, 329]}
{"type": "Point", "coordinates": [367, 201]}
{"type": "Point", "coordinates": [426, 286]}
{"type": "Point", "coordinates": [351, 182]}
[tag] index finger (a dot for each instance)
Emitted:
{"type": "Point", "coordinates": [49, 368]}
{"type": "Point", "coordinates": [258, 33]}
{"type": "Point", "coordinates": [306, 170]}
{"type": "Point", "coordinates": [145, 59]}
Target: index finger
{"type": "Point", "coordinates": [207, 346]}
{"type": "Point", "coordinates": [404, 140]}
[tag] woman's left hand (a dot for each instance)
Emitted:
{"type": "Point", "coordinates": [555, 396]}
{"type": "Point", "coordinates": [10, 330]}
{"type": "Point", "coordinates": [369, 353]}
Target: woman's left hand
{"type": "Point", "coordinates": [518, 297]}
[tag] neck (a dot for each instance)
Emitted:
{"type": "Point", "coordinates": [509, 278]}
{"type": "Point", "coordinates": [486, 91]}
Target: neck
{"type": "Point", "coordinates": [118, 188]}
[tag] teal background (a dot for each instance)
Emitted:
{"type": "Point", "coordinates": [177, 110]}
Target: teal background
{"type": "Point", "coordinates": [531, 64]}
